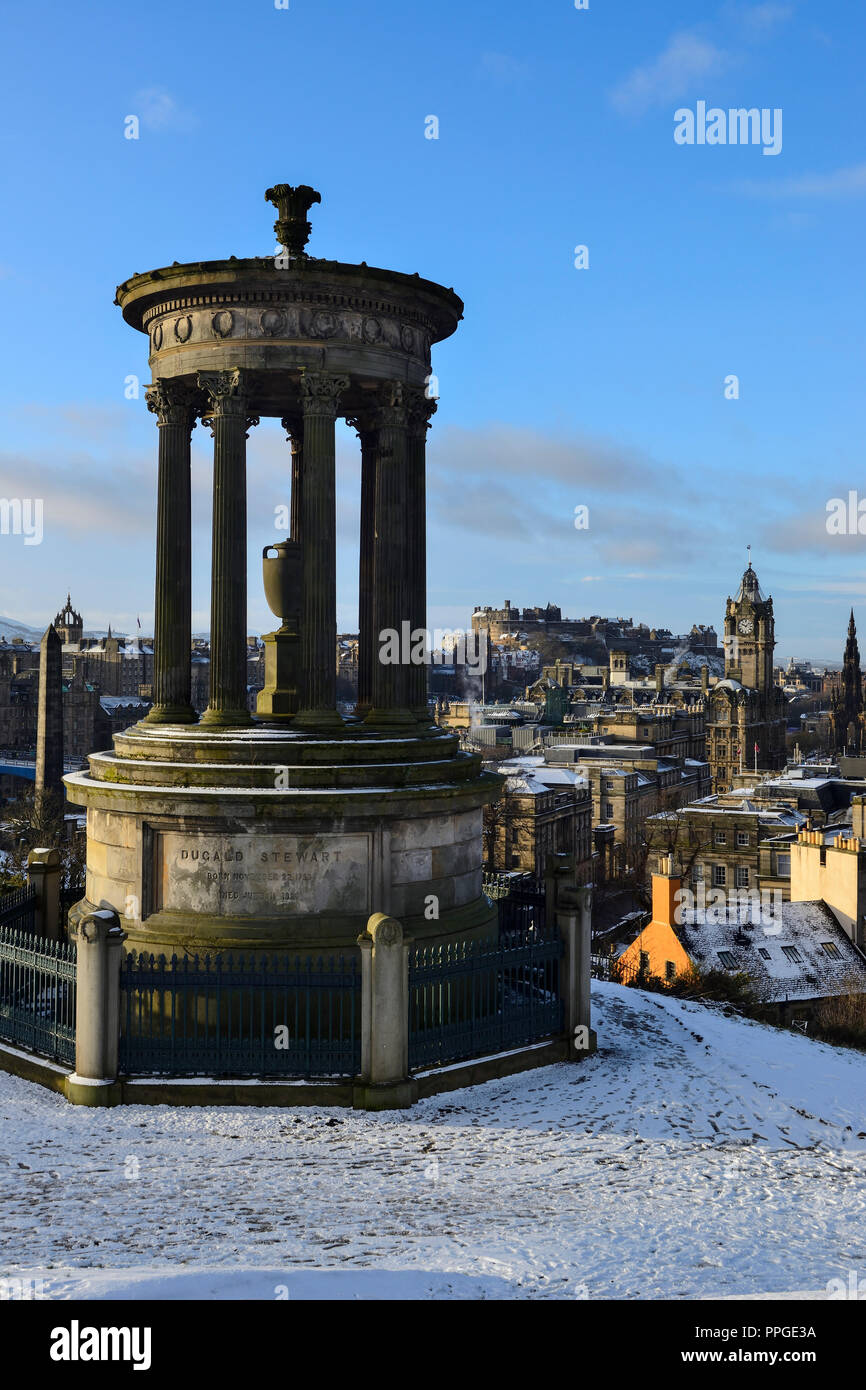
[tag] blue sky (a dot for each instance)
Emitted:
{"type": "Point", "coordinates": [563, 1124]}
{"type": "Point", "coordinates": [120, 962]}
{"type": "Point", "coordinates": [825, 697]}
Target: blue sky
{"type": "Point", "coordinates": [602, 386]}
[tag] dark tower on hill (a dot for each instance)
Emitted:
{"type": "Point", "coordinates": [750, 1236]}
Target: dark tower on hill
{"type": "Point", "coordinates": [846, 703]}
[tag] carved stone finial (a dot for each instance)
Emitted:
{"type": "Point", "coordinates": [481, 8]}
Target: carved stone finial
{"type": "Point", "coordinates": [291, 227]}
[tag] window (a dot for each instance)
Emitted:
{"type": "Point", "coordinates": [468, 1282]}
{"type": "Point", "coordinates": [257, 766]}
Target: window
{"type": "Point", "coordinates": [608, 786]}
{"type": "Point", "coordinates": [741, 878]}
{"type": "Point", "coordinates": [670, 970]}
{"type": "Point", "coordinates": [697, 873]}
{"type": "Point", "coordinates": [742, 838]}
{"type": "Point", "coordinates": [608, 810]}
{"type": "Point", "coordinates": [832, 949]}
{"type": "Point", "coordinates": [720, 875]}
{"type": "Point", "coordinates": [762, 952]}
{"type": "Point", "coordinates": [793, 954]}
{"type": "Point", "coordinates": [783, 865]}
{"type": "Point", "coordinates": [721, 837]}
{"type": "Point", "coordinates": [727, 960]}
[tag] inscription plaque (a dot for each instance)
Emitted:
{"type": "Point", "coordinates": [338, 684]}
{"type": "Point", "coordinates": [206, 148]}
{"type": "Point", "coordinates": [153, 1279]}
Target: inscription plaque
{"type": "Point", "coordinates": [261, 874]}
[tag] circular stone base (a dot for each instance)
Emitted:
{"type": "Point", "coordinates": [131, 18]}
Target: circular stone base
{"type": "Point", "coordinates": [273, 839]}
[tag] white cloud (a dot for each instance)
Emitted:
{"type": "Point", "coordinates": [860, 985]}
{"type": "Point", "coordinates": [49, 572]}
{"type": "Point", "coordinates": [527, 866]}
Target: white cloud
{"type": "Point", "coordinates": [686, 59]}
{"type": "Point", "coordinates": [503, 67]}
{"type": "Point", "coordinates": [758, 21]}
{"type": "Point", "coordinates": [840, 183]}
{"type": "Point", "coordinates": [158, 110]}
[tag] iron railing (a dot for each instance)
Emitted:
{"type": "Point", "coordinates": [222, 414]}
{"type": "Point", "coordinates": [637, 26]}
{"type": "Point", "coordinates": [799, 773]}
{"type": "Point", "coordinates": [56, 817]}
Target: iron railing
{"type": "Point", "coordinates": [475, 999]}
{"type": "Point", "coordinates": [519, 899]}
{"type": "Point", "coordinates": [18, 909]}
{"type": "Point", "coordinates": [221, 1016]}
{"type": "Point", "coordinates": [37, 993]}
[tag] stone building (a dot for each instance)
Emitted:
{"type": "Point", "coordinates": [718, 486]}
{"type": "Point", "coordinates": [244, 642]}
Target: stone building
{"type": "Point", "coordinates": [728, 842]}
{"type": "Point", "coordinates": [673, 731]}
{"type": "Point", "coordinates": [632, 780]}
{"type": "Point", "coordinates": [543, 810]}
{"type": "Point", "coordinates": [746, 711]}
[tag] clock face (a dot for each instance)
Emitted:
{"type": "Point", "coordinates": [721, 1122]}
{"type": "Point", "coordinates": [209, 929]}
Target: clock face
{"type": "Point", "coordinates": [745, 625]}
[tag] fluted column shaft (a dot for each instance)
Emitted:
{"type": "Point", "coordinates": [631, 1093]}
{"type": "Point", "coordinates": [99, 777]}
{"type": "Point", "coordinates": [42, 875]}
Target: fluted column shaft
{"type": "Point", "coordinates": [391, 590]}
{"type": "Point", "coordinates": [228, 419]}
{"type": "Point", "coordinates": [421, 409]}
{"type": "Point", "coordinates": [174, 404]}
{"type": "Point", "coordinates": [367, 645]}
{"type": "Point", "coordinates": [320, 393]}
{"type": "Point", "coordinates": [294, 427]}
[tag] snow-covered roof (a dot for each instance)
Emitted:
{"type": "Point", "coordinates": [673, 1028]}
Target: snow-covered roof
{"type": "Point", "coordinates": [799, 951]}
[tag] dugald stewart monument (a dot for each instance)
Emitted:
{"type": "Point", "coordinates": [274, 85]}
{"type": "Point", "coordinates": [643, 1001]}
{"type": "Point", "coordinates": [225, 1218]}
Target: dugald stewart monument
{"type": "Point", "coordinates": [285, 829]}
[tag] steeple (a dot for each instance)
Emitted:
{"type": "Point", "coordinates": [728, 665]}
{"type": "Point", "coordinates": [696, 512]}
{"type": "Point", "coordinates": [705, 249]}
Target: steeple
{"type": "Point", "coordinates": [69, 625]}
{"type": "Point", "coordinates": [847, 705]}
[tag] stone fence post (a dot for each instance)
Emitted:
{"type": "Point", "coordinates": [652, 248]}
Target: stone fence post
{"type": "Point", "coordinates": [574, 920]}
{"type": "Point", "coordinates": [97, 1010]}
{"type": "Point", "coordinates": [43, 871]}
{"type": "Point", "coordinates": [385, 1081]}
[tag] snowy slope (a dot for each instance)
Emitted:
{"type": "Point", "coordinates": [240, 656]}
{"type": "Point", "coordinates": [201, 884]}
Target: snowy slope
{"type": "Point", "coordinates": [695, 1156]}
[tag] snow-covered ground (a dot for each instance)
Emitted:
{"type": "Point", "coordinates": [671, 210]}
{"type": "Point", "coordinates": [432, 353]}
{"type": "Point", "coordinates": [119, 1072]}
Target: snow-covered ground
{"type": "Point", "coordinates": [695, 1156]}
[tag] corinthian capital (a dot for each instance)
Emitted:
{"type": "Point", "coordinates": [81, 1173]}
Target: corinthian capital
{"type": "Point", "coordinates": [392, 405]}
{"type": "Point", "coordinates": [172, 402]}
{"type": "Point", "coordinates": [228, 397]}
{"type": "Point", "coordinates": [421, 409]}
{"type": "Point", "coordinates": [321, 391]}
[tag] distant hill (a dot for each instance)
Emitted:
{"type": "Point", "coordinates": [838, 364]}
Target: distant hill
{"type": "Point", "coordinates": [10, 628]}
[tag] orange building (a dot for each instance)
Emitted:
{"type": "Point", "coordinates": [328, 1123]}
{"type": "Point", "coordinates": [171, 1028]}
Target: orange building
{"type": "Point", "coordinates": [658, 948]}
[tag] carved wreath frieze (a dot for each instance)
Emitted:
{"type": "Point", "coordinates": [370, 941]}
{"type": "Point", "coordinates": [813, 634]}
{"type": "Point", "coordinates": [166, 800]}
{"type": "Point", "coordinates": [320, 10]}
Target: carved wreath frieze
{"type": "Point", "coordinates": [293, 322]}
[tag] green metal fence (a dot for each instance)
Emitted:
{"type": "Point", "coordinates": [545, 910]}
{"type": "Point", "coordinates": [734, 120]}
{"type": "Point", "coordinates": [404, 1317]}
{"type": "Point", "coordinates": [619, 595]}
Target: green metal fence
{"type": "Point", "coordinates": [18, 909]}
{"type": "Point", "coordinates": [221, 1016]}
{"type": "Point", "coordinates": [473, 999]}
{"type": "Point", "coordinates": [37, 991]}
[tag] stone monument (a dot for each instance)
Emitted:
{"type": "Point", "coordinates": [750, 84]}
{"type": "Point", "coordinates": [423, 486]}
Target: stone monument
{"type": "Point", "coordinates": [49, 728]}
{"type": "Point", "coordinates": [287, 829]}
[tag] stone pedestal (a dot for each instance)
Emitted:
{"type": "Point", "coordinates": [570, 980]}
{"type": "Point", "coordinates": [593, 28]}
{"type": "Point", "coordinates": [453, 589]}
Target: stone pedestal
{"type": "Point", "coordinates": [279, 699]}
{"type": "Point", "coordinates": [269, 839]}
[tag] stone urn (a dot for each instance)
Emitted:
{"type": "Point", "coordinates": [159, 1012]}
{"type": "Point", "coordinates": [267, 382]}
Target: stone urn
{"type": "Point", "coordinates": [281, 572]}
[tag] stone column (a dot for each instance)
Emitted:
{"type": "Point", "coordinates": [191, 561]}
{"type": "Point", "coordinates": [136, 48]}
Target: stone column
{"type": "Point", "coordinates": [391, 594]}
{"type": "Point", "coordinates": [574, 920]}
{"type": "Point", "coordinates": [174, 405]}
{"type": "Point", "coordinates": [49, 727]}
{"type": "Point", "coordinates": [421, 410]}
{"type": "Point", "coordinates": [367, 644]}
{"type": "Point", "coordinates": [318, 524]}
{"type": "Point", "coordinates": [229, 421]}
{"type": "Point", "coordinates": [43, 871]}
{"type": "Point", "coordinates": [386, 1084]}
{"type": "Point", "coordinates": [97, 1009]}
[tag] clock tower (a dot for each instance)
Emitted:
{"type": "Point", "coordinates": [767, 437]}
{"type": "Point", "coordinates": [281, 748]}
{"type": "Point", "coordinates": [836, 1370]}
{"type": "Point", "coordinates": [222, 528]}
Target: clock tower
{"type": "Point", "coordinates": [746, 711]}
{"type": "Point", "coordinates": [749, 636]}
